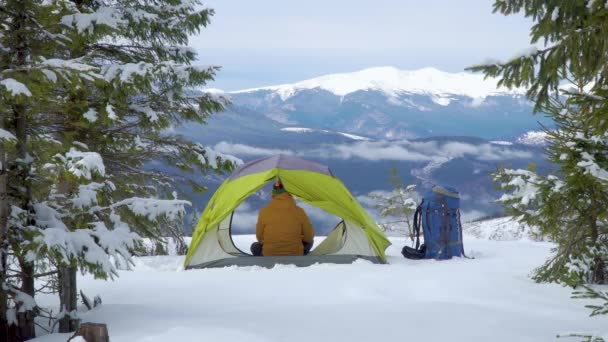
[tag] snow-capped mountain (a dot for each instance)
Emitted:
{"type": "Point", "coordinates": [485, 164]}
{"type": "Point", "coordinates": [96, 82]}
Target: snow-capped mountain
{"type": "Point", "coordinates": [388, 103]}
{"type": "Point", "coordinates": [392, 81]}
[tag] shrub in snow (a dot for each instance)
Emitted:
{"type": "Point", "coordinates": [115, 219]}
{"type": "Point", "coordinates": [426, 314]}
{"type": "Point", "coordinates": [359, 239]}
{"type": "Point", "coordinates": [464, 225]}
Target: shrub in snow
{"type": "Point", "coordinates": [397, 206]}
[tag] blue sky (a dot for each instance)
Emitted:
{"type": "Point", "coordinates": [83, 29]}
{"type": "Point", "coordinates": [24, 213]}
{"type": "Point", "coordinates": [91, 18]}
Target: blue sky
{"type": "Point", "coordinates": [267, 42]}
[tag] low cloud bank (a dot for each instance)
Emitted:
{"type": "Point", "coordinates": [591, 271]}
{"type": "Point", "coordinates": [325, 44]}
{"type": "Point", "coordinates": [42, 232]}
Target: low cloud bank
{"type": "Point", "coordinates": [413, 151]}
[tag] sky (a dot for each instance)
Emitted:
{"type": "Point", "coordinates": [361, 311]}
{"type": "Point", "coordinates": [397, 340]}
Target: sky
{"type": "Point", "coordinates": [267, 42]}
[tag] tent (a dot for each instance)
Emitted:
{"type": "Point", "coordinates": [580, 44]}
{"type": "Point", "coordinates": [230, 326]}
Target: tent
{"type": "Point", "coordinates": [356, 237]}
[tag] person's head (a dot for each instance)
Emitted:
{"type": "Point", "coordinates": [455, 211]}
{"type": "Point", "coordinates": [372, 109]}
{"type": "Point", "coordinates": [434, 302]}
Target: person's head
{"type": "Point", "coordinates": [278, 188]}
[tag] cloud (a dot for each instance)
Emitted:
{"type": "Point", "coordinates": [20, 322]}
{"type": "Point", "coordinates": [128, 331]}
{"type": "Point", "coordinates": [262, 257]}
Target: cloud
{"type": "Point", "coordinates": [418, 151]}
{"type": "Point", "coordinates": [244, 219]}
{"type": "Point", "coordinates": [413, 151]}
{"type": "Point", "coordinates": [246, 150]}
{"type": "Point", "coordinates": [325, 222]}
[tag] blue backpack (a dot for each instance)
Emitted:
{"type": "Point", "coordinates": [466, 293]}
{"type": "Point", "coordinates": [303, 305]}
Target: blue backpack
{"type": "Point", "coordinates": [439, 217]}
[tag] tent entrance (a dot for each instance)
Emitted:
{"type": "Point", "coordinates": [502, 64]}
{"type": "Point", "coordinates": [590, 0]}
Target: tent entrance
{"type": "Point", "coordinates": [331, 244]}
{"type": "Point", "coordinates": [345, 244]}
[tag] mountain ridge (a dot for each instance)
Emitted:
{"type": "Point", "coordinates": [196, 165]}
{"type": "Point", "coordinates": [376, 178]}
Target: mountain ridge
{"type": "Point", "coordinates": [394, 81]}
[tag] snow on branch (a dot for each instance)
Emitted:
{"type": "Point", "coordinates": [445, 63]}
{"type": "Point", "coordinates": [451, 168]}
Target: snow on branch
{"type": "Point", "coordinates": [107, 16]}
{"type": "Point", "coordinates": [127, 72]}
{"type": "Point", "coordinates": [154, 208]}
{"type": "Point", "coordinates": [90, 115]}
{"type": "Point", "coordinates": [73, 64]}
{"type": "Point", "coordinates": [524, 185]}
{"type": "Point", "coordinates": [588, 163]}
{"type": "Point", "coordinates": [15, 87]}
{"type": "Point", "coordinates": [24, 303]}
{"type": "Point", "coordinates": [93, 246]}
{"type": "Point", "coordinates": [212, 157]}
{"type": "Point", "coordinates": [6, 135]}
{"type": "Point", "coordinates": [83, 164]}
{"type": "Point", "coordinates": [87, 195]}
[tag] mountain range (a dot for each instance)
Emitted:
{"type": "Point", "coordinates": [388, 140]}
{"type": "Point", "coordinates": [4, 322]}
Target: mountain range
{"type": "Point", "coordinates": [433, 126]}
{"type": "Point", "coordinates": [388, 103]}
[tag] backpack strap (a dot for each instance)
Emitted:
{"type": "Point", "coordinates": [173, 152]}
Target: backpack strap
{"type": "Point", "coordinates": [417, 219]}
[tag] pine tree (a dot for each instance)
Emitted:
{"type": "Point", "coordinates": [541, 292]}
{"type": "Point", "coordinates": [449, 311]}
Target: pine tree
{"type": "Point", "coordinates": [25, 46]}
{"type": "Point", "coordinates": [92, 91]}
{"type": "Point", "coordinates": [5, 136]}
{"type": "Point", "coordinates": [571, 207]}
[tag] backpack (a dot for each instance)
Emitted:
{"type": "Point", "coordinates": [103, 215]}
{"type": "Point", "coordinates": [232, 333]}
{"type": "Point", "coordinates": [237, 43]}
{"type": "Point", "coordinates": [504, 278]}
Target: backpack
{"type": "Point", "coordinates": [439, 217]}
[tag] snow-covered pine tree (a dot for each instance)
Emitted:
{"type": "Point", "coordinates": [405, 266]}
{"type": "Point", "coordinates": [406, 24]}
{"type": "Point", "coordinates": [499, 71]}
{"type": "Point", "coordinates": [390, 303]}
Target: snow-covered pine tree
{"type": "Point", "coordinates": [126, 113]}
{"type": "Point", "coordinates": [573, 208]}
{"type": "Point", "coordinates": [105, 84]}
{"type": "Point", "coordinates": [26, 45]}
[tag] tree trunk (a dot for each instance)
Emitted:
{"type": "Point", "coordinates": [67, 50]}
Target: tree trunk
{"type": "Point", "coordinates": [599, 267]}
{"type": "Point", "coordinates": [68, 298]}
{"type": "Point", "coordinates": [3, 237]}
{"type": "Point", "coordinates": [25, 319]}
{"type": "Point", "coordinates": [93, 332]}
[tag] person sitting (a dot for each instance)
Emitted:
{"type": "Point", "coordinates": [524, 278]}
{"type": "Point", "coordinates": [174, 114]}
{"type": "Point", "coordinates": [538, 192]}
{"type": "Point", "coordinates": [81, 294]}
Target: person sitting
{"type": "Point", "coordinates": [283, 228]}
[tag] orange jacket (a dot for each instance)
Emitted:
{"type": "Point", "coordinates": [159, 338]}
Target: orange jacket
{"type": "Point", "coordinates": [282, 227]}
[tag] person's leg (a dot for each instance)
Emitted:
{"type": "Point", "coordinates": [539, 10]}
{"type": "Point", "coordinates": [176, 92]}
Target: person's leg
{"type": "Point", "coordinates": [307, 246]}
{"type": "Point", "coordinates": [256, 249]}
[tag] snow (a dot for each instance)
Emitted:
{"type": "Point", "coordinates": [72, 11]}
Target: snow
{"type": "Point", "coordinates": [91, 115]}
{"type": "Point", "coordinates": [525, 186]}
{"type": "Point", "coordinates": [153, 208]}
{"type": "Point", "coordinates": [588, 163]}
{"type": "Point", "coordinates": [216, 95]}
{"type": "Point", "coordinates": [442, 101]}
{"type": "Point", "coordinates": [84, 164]}
{"type": "Point", "coordinates": [527, 52]}
{"type": "Point", "coordinates": [312, 130]}
{"type": "Point", "coordinates": [15, 87]}
{"type": "Point", "coordinates": [150, 113]}
{"type": "Point", "coordinates": [489, 298]}
{"type": "Point", "coordinates": [533, 138]}
{"type": "Point", "coordinates": [111, 113]}
{"type": "Point", "coordinates": [211, 156]}
{"type": "Point", "coordinates": [92, 245]}
{"type": "Point", "coordinates": [501, 229]}
{"type": "Point", "coordinates": [501, 142]}
{"type": "Point", "coordinates": [50, 75]}
{"type": "Point", "coordinates": [393, 81]}
{"type": "Point", "coordinates": [107, 16]}
{"type": "Point", "coordinates": [87, 195]}
{"type": "Point", "coordinates": [6, 135]}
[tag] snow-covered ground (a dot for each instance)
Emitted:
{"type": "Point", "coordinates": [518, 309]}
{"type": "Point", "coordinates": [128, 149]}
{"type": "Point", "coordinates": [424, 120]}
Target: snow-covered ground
{"type": "Point", "coordinates": [489, 298]}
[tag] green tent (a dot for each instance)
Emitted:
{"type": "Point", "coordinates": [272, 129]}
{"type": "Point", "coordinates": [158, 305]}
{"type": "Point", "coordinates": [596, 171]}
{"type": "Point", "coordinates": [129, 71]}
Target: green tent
{"type": "Point", "coordinates": [356, 236]}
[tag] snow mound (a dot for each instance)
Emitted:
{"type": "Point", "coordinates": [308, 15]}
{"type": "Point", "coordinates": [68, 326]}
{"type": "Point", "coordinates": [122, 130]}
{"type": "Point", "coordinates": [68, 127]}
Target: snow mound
{"type": "Point", "coordinates": [500, 229]}
{"type": "Point", "coordinates": [393, 81]}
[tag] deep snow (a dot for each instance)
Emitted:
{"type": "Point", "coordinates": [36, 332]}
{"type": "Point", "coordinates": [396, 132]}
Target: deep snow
{"type": "Point", "coordinates": [489, 298]}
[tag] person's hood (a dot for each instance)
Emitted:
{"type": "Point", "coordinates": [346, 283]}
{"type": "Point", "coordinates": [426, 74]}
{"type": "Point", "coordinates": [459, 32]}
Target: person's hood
{"type": "Point", "coordinates": [283, 200]}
